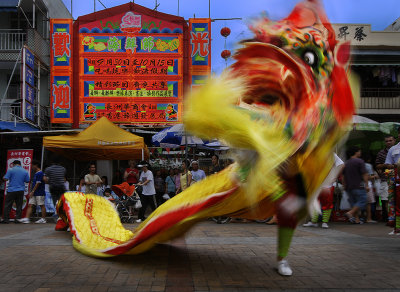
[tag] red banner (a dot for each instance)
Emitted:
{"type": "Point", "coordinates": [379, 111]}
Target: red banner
{"type": "Point", "coordinates": [61, 71]}
{"type": "Point", "coordinates": [200, 50]}
{"type": "Point", "coordinates": [25, 156]}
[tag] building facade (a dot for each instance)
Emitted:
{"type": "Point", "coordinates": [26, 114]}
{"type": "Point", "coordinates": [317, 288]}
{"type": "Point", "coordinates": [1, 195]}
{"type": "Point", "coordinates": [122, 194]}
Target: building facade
{"type": "Point", "coordinates": [376, 59]}
{"type": "Point", "coordinates": [25, 62]}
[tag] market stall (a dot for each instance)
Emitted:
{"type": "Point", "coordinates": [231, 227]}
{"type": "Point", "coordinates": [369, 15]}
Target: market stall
{"type": "Point", "coordinates": [103, 140]}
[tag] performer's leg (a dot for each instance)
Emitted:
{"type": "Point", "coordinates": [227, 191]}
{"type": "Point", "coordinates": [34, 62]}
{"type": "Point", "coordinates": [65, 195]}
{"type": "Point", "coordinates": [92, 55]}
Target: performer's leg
{"type": "Point", "coordinates": [391, 204]}
{"type": "Point", "coordinates": [397, 207]}
{"type": "Point", "coordinates": [326, 200]}
{"type": "Point", "coordinates": [290, 209]}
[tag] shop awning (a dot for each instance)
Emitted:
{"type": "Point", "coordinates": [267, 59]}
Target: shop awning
{"type": "Point", "coordinates": [17, 127]}
{"type": "Point", "coordinates": [8, 5]}
{"type": "Point", "coordinates": [103, 140]}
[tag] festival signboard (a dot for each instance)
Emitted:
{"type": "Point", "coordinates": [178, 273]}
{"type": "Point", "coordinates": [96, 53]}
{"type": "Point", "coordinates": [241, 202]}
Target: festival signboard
{"type": "Point", "coordinates": [132, 66]}
{"type": "Point", "coordinates": [131, 77]}
{"type": "Point", "coordinates": [61, 71]}
{"type": "Point", "coordinates": [25, 157]}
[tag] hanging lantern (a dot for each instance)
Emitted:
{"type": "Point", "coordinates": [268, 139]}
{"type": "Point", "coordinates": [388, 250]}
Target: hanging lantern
{"type": "Point", "coordinates": [225, 54]}
{"type": "Point", "coordinates": [225, 31]}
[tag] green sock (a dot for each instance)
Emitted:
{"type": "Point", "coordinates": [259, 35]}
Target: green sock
{"type": "Point", "coordinates": [314, 218]}
{"type": "Point", "coordinates": [285, 235]}
{"type": "Point", "coordinates": [326, 214]}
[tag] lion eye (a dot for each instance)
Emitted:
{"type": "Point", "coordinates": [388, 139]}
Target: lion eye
{"type": "Point", "coordinates": [310, 58]}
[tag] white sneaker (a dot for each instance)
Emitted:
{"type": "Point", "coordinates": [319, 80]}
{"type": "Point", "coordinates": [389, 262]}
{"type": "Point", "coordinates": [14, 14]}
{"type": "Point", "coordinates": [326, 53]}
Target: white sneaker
{"type": "Point", "coordinates": [24, 220]}
{"type": "Point", "coordinates": [138, 220]}
{"type": "Point", "coordinates": [41, 221]}
{"type": "Point", "coordinates": [310, 224]}
{"type": "Point", "coordinates": [284, 268]}
{"type": "Point", "coordinates": [325, 225]}
{"type": "Point", "coordinates": [394, 233]}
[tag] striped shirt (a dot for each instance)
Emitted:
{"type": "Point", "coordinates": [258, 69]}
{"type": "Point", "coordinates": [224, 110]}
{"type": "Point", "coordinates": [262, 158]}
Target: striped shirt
{"type": "Point", "coordinates": [380, 159]}
{"type": "Point", "coordinates": [56, 174]}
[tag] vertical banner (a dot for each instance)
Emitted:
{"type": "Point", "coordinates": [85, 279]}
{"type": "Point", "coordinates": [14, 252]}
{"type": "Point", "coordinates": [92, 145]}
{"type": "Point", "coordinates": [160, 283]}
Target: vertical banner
{"type": "Point", "coordinates": [200, 50]}
{"type": "Point", "coordinates": [28, 85]}
{"type": "Point", "coordinates": [25, 156]}
{"type": "Point", "coordinates": [61, 70]}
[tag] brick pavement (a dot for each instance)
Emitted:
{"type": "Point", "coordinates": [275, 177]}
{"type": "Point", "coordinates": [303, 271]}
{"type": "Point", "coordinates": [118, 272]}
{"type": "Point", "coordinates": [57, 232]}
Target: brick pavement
{"type": "Point", "coordinates": [211, 257]}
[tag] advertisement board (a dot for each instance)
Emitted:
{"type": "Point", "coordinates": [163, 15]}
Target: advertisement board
{"type": "Point", "coordinates": [28, 85]}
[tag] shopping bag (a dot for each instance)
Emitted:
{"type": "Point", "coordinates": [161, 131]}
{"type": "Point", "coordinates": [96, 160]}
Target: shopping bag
{"type": "Point", "coordinates": [138, 204]}
{"type": "Point", "coordinates": [166, 197]}
{"type": "Point", "coordinates": [344, 202]}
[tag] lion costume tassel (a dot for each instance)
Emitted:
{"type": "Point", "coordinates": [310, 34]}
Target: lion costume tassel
{"type": "Point", "coordinates": [284, 105]}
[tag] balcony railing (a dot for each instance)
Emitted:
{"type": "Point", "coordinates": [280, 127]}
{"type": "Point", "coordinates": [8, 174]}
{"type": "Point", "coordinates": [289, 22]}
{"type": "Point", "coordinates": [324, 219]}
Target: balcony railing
{"type": "Point", "coordinates": [380, 98]}
{"type": "Point", "coordinates": [14, 113]}
{"type": "Point", "coordinates": [12, 39]}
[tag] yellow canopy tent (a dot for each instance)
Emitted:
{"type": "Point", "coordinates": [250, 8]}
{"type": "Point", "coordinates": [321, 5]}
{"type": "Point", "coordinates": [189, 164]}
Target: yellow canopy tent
{"type": "Point", "coordinates": [103, 140]}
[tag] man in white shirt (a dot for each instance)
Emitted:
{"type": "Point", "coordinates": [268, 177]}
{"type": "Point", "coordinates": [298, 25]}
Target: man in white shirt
{"type": "Point", "coordinates": [197, 174]}
{"type": "Point", "coordinates": [146, 180]}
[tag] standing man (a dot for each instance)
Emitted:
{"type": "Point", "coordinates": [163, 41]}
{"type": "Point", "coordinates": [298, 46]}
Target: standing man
{"type": "Point", "coordinates": [55, 175]}
{"type": "Point", "coordinates": [148, 193]}
{"type": "Point", "coordinates": [92, 180]}
{"type": "Point", "coordinates": [381, 168]}
{"type": "Point", "coordinates": [17, 177]}
{"type": "Point", "coordinates": [197, 174]}
{"type": "Point", "coordinates": [37, 194]}
{"type": "Point", "coordinates": [392, 163]}
{"type": "Point", "coordinates": [355, 183]}
{"type": "Point", "coordinates": [131, 175]}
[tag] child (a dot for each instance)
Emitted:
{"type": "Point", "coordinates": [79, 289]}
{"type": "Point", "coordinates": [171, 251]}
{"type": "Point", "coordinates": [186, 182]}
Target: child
{"type": "Point", "coordinates": [109, 195]}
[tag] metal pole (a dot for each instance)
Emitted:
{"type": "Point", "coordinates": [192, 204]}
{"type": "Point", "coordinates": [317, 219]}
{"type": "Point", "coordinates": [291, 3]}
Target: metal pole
{"type": "Point", "coordinates": [71, 10]}
{"type": "Point", "coordinates": [24, 84]}
{"type": "Point", "coordinates": [33, 13]}
{"type": "Point", "coordinates": [142, 154]}
{"type": "Point", "coordinates": [209, 8]}
{"type": "Point", "coordinates": [38, 96]}
{"type": "Point", "coordinates": [42, 159]}
{"type": "Point", "coordinates": [74, 179]}
{"type": "Point", "coordinates": [186, 159]}
{"type": "Point", "coordinates": [94, 4]}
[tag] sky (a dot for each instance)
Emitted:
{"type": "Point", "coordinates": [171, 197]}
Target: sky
{"type": "Point", "coordinates": [378, 13]}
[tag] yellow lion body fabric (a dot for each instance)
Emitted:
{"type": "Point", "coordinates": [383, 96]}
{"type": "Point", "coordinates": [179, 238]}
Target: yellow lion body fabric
{"type": "Point", "coordinates": [284, 104]}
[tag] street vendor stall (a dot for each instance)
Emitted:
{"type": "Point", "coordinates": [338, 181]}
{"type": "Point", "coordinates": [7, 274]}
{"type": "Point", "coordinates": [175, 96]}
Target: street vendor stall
{"type": "Point", "coordinates": [103, 140]}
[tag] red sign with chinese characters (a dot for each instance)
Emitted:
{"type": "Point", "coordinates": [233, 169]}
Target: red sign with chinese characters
{"type": "Point", "coordinates": [200, 51]}
{"type": "Point", "coordinates": [61, 71]}
{"type": "Point", "coordinates": [130, 77]}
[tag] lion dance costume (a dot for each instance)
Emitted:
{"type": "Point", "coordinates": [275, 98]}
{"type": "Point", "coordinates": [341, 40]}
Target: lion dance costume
{"type": "Point", "coordinates": [284, 104]}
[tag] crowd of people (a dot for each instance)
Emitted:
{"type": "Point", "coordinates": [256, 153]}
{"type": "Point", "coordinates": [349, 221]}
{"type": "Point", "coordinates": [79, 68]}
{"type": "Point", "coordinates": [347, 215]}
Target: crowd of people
{"type": "Point", "coordinates": [366, 186]}
{"type": "Point", "coordinates": [154, 189]}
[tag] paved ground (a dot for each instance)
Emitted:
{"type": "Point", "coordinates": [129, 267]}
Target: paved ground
{"type": "Point", "coordinates": [212, 257]}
